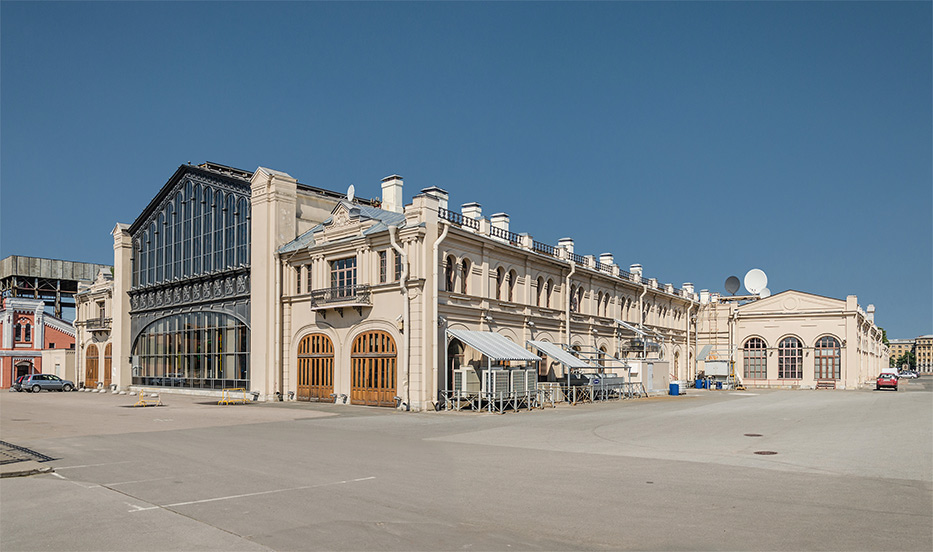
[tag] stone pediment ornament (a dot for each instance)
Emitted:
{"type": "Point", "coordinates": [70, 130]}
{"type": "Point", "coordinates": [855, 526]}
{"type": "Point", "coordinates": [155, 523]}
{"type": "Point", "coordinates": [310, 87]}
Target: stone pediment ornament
{"type": "Point", "coordinates": [341, 218]}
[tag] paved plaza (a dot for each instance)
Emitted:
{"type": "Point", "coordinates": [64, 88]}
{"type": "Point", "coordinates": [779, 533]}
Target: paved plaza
{"type": "Point", "coordinates": [852, 470]}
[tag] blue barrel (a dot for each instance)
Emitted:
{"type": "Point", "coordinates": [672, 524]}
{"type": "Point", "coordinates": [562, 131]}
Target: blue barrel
{"type": "Point", "coordinates": [718, 385]}
{"type": "Point", "coordinates": [700, 384]}
{"type": "Point", "coordinates": [675, 389]}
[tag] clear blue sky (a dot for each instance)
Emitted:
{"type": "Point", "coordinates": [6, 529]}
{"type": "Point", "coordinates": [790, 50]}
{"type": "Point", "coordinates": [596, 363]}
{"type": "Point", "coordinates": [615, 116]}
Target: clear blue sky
{"type": "Point", "coordinates": [698, 139]}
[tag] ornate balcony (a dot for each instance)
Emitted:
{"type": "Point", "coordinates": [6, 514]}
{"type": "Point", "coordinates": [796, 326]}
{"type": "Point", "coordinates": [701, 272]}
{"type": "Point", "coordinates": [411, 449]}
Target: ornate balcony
{"type": "Point", "coordinates": [356, 296]}
{"type": "Point", "coordinates": [99, 324]}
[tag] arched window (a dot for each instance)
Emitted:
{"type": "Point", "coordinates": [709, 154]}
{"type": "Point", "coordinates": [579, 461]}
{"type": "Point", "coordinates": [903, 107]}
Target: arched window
{"type": "Point", "coordinates": [207, 228]}
{"type": "Point", "coordinates": [827, 358]}
{"type": "Point", "coordinates": [676, 365]}
{"type": "Point", "coordinates": [218, 216]}
{"type": "Point", "coordinates": [539, 291]}
{"type": "Point", "coordinates": [450, 273]}
{"type": "Point", "coordinates": [18, 332]}
{"type": "Point", "coordinates": [160, 230]}
{"type": "Point", "coordinates": [230, 230]}
{"type": "Point", "coordinates": [500, 279]}
{"type": "Point", "coordinates": [512, 278]}
{"type": "Point", "coordinates": [573, 299]}
{"type": "Point", "coordinates": [580, 295]}
{"type": "Point", "coordinates": [790, 358]}
{"type": "Point", "coordinates": [464, 275]}
{"type": "Point", "coordinates": [755, 358]}
{"type": "Point", "coordinates": [548, 287]}
{"type": "Point", "coordinates": [179, 238]}
{"type": "Point", "coordinates": [599, 303]}
{"type": "Point", "coordinates": [242, 215]}
{"type": "Point", "coordinates": [27, 332]}
{"type": "Point", "coordinates": [196, 209]}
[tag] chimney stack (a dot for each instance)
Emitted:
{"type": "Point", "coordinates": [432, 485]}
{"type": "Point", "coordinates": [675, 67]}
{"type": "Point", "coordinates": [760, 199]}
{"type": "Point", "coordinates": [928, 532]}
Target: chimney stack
{"type": "Point", "coordinates": [606, 259]}
{"type": "Point", "coordinates": [500, 220]}
{"type": "Point", "coordinates": [566, 243]}
{"type": "Point", "coordinates": [440, 194]}
{"type": "Point", "coordinates": [392, 194]}
{"type": "Point", "coordinates": [472, 211]}
{"type": "Point", "coordinates": [635, 271]}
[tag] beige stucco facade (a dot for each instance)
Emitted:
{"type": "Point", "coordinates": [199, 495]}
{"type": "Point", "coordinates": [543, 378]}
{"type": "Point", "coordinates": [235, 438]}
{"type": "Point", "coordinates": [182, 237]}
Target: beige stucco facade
{"type": "Point", "coordinates": [93, 362]}
{"type": "Point", "coordinates": [791, 330]}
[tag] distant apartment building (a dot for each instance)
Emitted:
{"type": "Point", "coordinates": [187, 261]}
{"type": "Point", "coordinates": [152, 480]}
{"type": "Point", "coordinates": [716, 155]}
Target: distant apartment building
{"type": "Point", "coordinates": [923, 349]}
{"type": "Point", "coordinates": [93, 323]}
{"type": "Point", "coordinates": [898, 348]}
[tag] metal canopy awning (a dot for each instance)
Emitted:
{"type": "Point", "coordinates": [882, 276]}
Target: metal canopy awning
{"type": "Point", "coordinates": [494, 346]}
{"type": "Point", "coordinates": [630, 327]}
{"type": "Point", "coordinates": [560, 355]}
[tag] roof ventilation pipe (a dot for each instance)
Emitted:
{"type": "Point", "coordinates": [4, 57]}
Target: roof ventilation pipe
{"type": "Point", "coordinates": [406, 328]}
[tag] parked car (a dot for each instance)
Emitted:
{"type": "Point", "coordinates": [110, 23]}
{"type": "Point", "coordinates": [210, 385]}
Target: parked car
{"type": "Point", "coordinates": [886, 380]}
{"type": "Point", "coordinates": [18, 384]}
{"type": "Point", "coordinates": [909, 374]}
{"type": "Point", "coordinates": [49, 382]}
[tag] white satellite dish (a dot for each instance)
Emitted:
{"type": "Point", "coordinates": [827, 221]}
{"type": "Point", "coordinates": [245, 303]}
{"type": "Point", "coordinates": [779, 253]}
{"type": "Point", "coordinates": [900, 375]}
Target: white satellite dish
{"type": "Point", "coordinates": [755, 280]}
{"type": "Point", "coordinates": [764, 293]}
{"type": "Point", "coordinates": [351, 193]}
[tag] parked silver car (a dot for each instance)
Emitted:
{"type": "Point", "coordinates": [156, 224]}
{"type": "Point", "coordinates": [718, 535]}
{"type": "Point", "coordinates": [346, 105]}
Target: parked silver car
{"type": "Point", "coordinates": [49, 382]}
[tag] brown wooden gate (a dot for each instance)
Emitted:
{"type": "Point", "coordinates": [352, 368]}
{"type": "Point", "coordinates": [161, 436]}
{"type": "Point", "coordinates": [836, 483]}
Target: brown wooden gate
{"type": "Point", "coordinates": [315, 368]}
{"type": "Point", "coordinates": [373, 368]}
{"type": "Point", "coordinates": [107, 365]}
{"type": "Point", "coordinates": [90, 366]}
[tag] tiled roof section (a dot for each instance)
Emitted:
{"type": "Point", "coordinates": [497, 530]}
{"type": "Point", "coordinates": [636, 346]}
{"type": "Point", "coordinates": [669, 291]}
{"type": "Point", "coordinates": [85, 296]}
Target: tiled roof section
{"type": "Point", "coordinates": [383, 219]}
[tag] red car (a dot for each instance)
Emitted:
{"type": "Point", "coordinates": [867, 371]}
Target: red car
{"type": "Point", "coordinates": [886, 380]}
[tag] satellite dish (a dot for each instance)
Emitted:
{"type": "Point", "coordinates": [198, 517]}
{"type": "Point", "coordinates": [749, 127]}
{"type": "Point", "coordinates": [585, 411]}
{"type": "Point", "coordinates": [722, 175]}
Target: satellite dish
{"type": "Point", "coordinates": [351, 193]}
{"type": "Point", "coordinates": [732, 284]}
{"type": "Point", "coordinates": [755, 280]}
{"type": "Point", "coordinates": [764, 293]}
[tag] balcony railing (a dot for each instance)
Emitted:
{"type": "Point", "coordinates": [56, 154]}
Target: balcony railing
{"type": "Point", "coordinates": [539, 247]}
{"type": "Point", "coordinates": [99, 323]}
{"type": "Point", "coordinates": [344, 296]}
{"type": "Point", "coordinates": [457, 218]}
{"type": "Point", "coordinates": [510, 237]}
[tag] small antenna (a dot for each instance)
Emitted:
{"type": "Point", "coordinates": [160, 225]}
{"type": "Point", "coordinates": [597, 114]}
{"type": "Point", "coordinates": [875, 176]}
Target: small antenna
{"type": "Point", "coordinates": [732, 285]}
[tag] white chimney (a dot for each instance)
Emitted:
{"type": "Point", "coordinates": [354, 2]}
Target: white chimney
{"type": "Point", "coordinates": [566, 243]}
{"type": "Point", "coordinates": [392, 194]}
{"type": "Point", "coordinates": [669, 288]}
{"type": "Point", "coordinates": [500, 220]}
{"type": "Point", "coordinates": [635, 271]}
{"type": "Point", "coordinates": [704, 296]}
{"type": "Point", "coordinates": [688, 288]}
{"type": "Point", "coordinates": [440, 194]}
{"type": "Point", "coordinates": [870, 310]}
{"type": "Point", "coordinates": [472, 211]}
{"type": "Point", "coordinates": [606, 259]}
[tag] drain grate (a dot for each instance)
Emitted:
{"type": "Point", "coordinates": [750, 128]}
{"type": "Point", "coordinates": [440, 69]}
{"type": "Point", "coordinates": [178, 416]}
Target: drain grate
{"type": "Point", "coordinates": [10, 454]}
{"type": "Point", "coordinates": [753, 434]}
{"type": "Point", "coordinates": [765, 452]}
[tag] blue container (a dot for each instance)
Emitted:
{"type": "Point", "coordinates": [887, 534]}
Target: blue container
{"type": "Point", "coordinates": [718, 385]}
{"type": "Point", "coordinates": [675, 389]}
{"type": "Point", "coordinates": [700, 384]}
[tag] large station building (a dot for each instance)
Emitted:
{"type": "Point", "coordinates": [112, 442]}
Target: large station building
{"type": "Point", "coordinates": [237, 279]}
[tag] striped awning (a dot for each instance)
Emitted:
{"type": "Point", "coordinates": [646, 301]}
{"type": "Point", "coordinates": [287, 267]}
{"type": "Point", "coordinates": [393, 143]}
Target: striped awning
{"type": "Point", "coordinates": [494, 346]}
{"type": "Point", "coordinates": [560, 355]}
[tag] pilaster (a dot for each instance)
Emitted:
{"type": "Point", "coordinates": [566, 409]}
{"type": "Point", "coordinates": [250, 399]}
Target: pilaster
{"type": "Point", "coordinates": [121, 362]}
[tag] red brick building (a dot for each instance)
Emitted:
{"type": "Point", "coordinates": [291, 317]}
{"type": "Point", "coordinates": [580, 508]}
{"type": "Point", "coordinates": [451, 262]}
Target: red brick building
{"type": "Point", "coordinates": [25, 331]}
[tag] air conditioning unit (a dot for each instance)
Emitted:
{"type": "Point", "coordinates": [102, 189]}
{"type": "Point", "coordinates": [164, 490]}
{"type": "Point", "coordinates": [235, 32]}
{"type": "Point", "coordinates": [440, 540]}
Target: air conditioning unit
{"type": "Point", "coordinates": [497, 382]}
{"type": "Point", "coordinates": [524, 379]}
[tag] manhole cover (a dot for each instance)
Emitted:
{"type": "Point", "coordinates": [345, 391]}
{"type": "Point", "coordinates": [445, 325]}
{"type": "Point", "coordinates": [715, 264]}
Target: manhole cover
{"type": "Point", "coordinates": [753, 434]}
{"type": "Point", "coordinates": [765, 452]}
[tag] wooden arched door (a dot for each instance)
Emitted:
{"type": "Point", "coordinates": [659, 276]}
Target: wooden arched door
{"type": "Point", "coordinates": [107, 365]}
{"type": "Point", "coordinates": [315, 368]}
{"type": "Point", "coordinates": [91, 360]}
{"type": "Point", "coordinates": [373, 369]}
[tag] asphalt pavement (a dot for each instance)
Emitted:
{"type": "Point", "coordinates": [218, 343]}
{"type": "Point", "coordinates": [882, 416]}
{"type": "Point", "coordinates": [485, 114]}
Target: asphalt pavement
{"type": "Point", "coordinates": [709, 470]}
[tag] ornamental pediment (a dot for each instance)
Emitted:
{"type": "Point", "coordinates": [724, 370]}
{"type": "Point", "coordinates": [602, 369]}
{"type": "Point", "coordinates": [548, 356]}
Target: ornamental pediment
{"type": "Point", "coordinates": [793, 301]}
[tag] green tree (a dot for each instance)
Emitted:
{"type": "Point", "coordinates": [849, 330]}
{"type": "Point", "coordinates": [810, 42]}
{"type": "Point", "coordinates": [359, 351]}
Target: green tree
{"type": "Point", "coordinates": [909, 359]}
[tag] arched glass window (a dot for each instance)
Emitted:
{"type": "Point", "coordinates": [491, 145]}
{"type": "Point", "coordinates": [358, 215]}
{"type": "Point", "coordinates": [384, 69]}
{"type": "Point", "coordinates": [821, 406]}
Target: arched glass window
{"type": "Point", "coordinates": [512, 277]}
{"type": "Point", "coordinates": [827, 358]}
{"type": "Point", "coordinates": [599, 303]}
{"type": "Point", "coordinates": [153, 246]}
{"type": "Point", "coordinates": [242, 215]}
{"type": "Point", "coordinates": [580, 295]}
{"type": "Point", "coordinates": [207, 229]}
{"type": "Point", "coordinates": [176, 256]}
{"type": "Point", "coordinates": [186, 231]}
{"type": "Point", "coordinates": [230, 230]}
{"type": "Point", "coordinates": [540, 291]}
{"type": "Point", "coordinates": [17, 332]}
{"type": "Point", "coordinates": [464, 275]}
{"type": "Point", "coordinates": [450, 273]}
{"type": "Point", "coordinates": [790, 358]}
{"type": "Point", "coordinates": [196, 209]}
{"type": "Point", "coordinates": [500, 279]}
{"type": "Point", "coordinates": [755, 358]}
{"type": "Point", "coordinates": [197, 350]}
{"type": "Point", "coordinates": [573, 299]}
{"type": "Point", "coordinates": [27, 332]}
{"type": "Point", "coordinates": [160, 248]}
{"type": "Point", "coordinates": [219, 210]}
